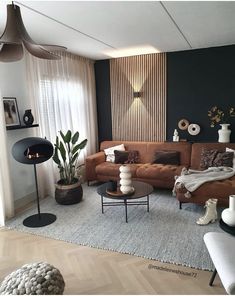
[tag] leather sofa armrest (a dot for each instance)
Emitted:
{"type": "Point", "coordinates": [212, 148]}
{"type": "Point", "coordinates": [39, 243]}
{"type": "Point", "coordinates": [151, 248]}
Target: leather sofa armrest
{"type": "Point", "coordinates": [90, 164]}
{"type": "Point", "coordinates": [180, 189]}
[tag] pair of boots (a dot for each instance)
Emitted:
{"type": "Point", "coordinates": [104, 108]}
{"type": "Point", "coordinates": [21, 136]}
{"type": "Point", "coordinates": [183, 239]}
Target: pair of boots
{"type": "Point", "coordinates": [211, 212]}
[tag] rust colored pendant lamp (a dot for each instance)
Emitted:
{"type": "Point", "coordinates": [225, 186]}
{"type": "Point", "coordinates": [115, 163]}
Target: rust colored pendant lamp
{"type": "Point", "coordinates": [15, 37]}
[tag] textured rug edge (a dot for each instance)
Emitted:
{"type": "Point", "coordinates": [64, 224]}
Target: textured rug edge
{"type": "Point", "coordinates": [107, 249]}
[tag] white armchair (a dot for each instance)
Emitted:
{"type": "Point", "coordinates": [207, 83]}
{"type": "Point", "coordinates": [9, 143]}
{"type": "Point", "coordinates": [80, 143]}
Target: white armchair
{"type": "Point", "coordinates": [221, 247]}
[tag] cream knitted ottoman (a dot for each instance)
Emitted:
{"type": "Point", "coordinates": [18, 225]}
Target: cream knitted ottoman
{"type": "Point", "coordinates": [34, 279]}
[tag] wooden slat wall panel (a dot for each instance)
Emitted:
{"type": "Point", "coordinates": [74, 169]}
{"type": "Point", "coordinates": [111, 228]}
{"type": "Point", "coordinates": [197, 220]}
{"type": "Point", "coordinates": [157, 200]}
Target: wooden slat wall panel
{"type": "Point", "coordinates": [141, 119]}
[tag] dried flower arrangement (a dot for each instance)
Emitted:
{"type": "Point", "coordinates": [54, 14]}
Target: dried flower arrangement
{"type": "Point", "coordinates": [217, 115]}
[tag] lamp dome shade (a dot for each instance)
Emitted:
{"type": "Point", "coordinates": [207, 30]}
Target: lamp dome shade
{"type": "Point", "coordinates": [15, 36]}
{"type": "Point", "coordinates": [32, 150]}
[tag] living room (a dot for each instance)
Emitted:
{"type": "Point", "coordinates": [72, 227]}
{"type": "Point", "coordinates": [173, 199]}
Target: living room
{"type": "Point", "coordinates": [142, 74]}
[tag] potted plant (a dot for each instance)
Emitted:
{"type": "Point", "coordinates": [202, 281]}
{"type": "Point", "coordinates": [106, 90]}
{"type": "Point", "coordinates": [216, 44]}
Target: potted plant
{"type": "Point", "coordinates": [67, 149]}
{"type": "Point", "coordinates": [217, 115]}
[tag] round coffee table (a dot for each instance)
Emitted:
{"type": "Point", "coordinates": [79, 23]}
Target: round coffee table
{"type": "Point", "coordinates": [142, 189]}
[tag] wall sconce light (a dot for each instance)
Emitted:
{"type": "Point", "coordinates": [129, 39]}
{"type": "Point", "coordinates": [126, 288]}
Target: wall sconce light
{"type": "Point", "coordinates": [137, 94]}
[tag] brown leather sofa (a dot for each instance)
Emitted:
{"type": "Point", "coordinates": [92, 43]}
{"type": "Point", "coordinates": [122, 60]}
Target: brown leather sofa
{"type": "Point", "coordinates": [158, 175]}
{"type": "Point", "coordinates": [163, 176]}
{"type": "Point", "coordinates": [217, 189]}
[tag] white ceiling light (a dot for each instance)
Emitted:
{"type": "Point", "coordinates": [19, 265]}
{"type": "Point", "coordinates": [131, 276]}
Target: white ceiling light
{"type": "Point", "coordinates": [132, 51]}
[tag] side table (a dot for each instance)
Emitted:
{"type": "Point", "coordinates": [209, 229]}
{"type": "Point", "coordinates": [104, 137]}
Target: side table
{"type": "Point", "coordinates": [226, 227]}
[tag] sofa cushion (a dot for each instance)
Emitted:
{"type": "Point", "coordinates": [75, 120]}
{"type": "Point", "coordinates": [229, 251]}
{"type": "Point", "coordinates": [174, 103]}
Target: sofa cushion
{"type": "Point", "coordinates": [224, 159]}
{"type": "Point", "coordinates": [131, 156]}
{"type": "Point", "coordinates": [159, 171]}
{"type": "Point", "coordinates": [207, 158]}
{"type": "Point", "coordinates": [215, 158]}
{"type": "Point", "coordinates": [141, 147]}
{"type": "Point", "coordinates": [109, 152]}
{"type": "Point", "coordinates": [197, 150]}
{"type": "Point", "coordinates": [120, 156]}
{"type": "Point", "coordinates": [167, 157]}
{"type": "Point", "coordinates": [231, 150]}
{"type": "Point", "coordinates": [112, 169]}
{"type": "Point", "coordinates": [183, 147]}
{"type": "Point", "coordinates": [217, 189]}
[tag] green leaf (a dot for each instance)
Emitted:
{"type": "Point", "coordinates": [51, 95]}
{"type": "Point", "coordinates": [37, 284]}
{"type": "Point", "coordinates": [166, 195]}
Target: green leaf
{"type": "Point", "coordinates": [57, 141]}
{"type": "Point", "coordinates": [79, 146]}
{"type": "Point", "coordinates": [74, 157]}
{"type": "Point", "coordinates": [75, 149]}
{"type": "Point", "coordinates": [75, 138]}
{"type": "Point", "coordinates": [62, 136]}
{"type": "Point", "coordinates": [68, 136]}
{"type": "Point", "coordinates": [62, 151]}
{"type": "Point", "coordinates": [82, 144]}
{"type": "Point", "coordinates": [56, 157]}
{"type": "Point", "coordinates": [61, 169]}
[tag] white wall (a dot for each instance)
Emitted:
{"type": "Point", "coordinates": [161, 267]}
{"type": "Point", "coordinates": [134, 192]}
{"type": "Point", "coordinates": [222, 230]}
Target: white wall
{"type": "Point", "coordinates": [13, 84]}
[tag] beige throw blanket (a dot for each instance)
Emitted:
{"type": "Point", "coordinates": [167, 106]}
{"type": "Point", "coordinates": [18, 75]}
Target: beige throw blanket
{"type": "Point", "coordinates": [192, 179]}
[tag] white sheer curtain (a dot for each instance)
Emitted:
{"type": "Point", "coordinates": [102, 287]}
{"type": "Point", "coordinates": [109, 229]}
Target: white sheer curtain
{"type": "Point", "coordinates": [63, 95]}
{"type": "Point", "coordinates": [6, 195]}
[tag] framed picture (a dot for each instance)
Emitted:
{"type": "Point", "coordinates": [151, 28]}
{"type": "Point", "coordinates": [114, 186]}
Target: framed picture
{"type": "Point", "coordinates": [11, 112]}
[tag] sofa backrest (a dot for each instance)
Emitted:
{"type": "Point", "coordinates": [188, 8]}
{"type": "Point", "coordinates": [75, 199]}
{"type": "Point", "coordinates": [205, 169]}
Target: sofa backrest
{"type": "Point", "coordinates": [183, 147]}
{"type": "Point", "coordinates": [147, 149]}
{"type": "Point", "coordinates": [197, 150]}
{"type": "Point", "coordinates": [129, 145]}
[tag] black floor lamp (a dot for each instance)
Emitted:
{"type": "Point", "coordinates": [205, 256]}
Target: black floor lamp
{"type": "Point", "coordinates": [34, 150]}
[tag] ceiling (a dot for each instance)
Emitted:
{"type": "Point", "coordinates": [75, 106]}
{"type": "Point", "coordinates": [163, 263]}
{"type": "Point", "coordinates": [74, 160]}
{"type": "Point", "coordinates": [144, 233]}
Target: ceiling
{"type": "Point", "coordinates": [111, 26]}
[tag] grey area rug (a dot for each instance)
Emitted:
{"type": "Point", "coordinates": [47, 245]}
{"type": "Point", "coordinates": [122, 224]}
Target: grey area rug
{"type": "Point", "coordinates": [165, 233]}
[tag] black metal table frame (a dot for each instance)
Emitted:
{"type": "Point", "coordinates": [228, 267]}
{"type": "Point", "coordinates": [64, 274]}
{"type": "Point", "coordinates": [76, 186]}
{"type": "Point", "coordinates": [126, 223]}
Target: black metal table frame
{"type": "Point", "coordinates": [124, 203]}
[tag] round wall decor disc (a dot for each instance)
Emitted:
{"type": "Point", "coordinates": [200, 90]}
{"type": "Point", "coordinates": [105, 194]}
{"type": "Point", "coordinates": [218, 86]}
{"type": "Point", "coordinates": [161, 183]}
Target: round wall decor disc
{"type": "Point", "coordinates": [194, 129]}
{"type": "Point", "coordinates": [183, 124]}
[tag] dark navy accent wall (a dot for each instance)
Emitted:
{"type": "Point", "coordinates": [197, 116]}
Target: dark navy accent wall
{"type": "Point", "coordinates": [103, 100]}
{"type": "Point", "coordinates": [196, 81]}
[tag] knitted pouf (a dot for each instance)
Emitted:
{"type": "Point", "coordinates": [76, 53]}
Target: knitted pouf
{"type": "Point", "coordinates": [34, 279]}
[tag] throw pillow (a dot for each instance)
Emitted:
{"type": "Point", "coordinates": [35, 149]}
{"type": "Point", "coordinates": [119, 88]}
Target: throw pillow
{"type": "Point", "coordinates": [109, 152]}
{"type": "Point", "coordinates": [223, 159]}
{"type": "Point", "coordinates": [121, 156]}
{"type": "Point", "coordinates": [133, 156]}
{"type": "Point", "coordinates": [167, 157]}
{"type": "Point", "coordinates": [207, 158]}
{"type": "Point", "coordinates": [231, 150]}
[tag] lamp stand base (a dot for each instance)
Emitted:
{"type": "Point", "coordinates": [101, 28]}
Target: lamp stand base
{"type": "Point", "coordinates": [41, 220]}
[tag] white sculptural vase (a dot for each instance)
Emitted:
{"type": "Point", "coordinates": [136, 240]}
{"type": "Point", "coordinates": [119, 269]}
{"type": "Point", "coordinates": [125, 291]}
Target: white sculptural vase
{"type": "Point", "coordinates": [224, 133]}
{"type": "Point", "coordinates": [125, 179]}
{"type": "Point", "coordinates": [176, 136]}
{"type": "Point", "coordinates": [228, 215]}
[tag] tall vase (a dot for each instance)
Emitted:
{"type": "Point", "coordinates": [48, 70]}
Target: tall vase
{"type": "Point", "coordinates": [28, 117]}
{"type": "Point", "coordinates": [224, 133]}
{"type": "Point", "coordinates": [228, 215]}
{"type": "Point", "coordinates": [125, 179]}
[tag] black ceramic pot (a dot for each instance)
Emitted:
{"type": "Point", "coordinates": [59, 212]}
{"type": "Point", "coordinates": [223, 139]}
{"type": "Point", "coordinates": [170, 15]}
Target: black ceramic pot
{"type": "Point", "coordinates": [68, 194]}
{"type": "Point", "coordinates": [28, 117]}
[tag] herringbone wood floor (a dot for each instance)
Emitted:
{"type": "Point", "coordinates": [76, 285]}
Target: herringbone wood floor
{"type": "Point", "coordinates": [92, 271]}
